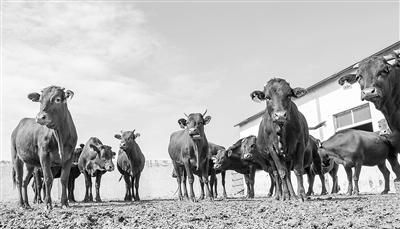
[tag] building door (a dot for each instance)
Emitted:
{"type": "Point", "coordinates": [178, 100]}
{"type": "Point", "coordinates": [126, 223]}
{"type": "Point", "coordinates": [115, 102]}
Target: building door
{"type": "Point", "coordinates": [358, 118]}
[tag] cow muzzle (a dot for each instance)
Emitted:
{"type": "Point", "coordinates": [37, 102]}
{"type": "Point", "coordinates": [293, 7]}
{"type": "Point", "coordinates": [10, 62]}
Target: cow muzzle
{"type": "Point", "coordinates": [42, 119]}
{"type": "Point", "coordinates": [370, 94]}
{"type": "Point", "coordinates": [109, 167]}
{"type": "Point", "coordinates": [217, 166]}
{"type": "Point", "coordinates": [194, 133]}
{"type": "Point", "coordinates": [279, 117]}
{"type": "Point", "coordinates": [247, 156]}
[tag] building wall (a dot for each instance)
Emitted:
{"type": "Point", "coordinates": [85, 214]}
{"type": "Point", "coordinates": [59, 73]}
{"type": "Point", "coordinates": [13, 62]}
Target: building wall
{"type": "Point", "coordinates": [320, 105]}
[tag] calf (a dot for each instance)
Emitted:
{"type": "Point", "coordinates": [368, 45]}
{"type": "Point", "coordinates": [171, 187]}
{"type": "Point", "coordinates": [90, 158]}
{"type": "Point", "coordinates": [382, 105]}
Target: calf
{"type": "Point", "coordinates": [47, 141]}
{"type": "Point", "coordinates": [283, 133]}
{"type": "Point", "coordinates": [94, 161]}
{"type": "Point", "coordinates": [233, 159]}
{"type": "Point", "coordinates": [188, 149]}
{"type": "Point", "coordinates": [130, 163]}
{"type": "Point", "coordinates": [355, 148]}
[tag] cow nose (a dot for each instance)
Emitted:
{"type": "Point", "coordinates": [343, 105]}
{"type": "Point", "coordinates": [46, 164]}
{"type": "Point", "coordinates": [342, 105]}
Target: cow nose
{"type": "Point", "coordinates": [122, 145]}
{"type": "Point", "coordinates": [280, 115]}
{"type": "Point", "coordinates": [41, 116]}
{"type": "Point", "coordinates": [246, 156]}
{"type": "Point", "coordinates": [368, 92]}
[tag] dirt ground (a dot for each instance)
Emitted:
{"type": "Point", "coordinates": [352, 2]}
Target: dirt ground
{"type": "Point", "coordinates": [338, 211]}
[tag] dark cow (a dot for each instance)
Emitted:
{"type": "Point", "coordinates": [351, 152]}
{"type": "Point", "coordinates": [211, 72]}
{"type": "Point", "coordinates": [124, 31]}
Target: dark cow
{"type": "Point", "coordinates": [380, 84]}
{"type": "Point", "coordinates": [235, 158]}
{"type": "Point", "coordinates": [283, 133]}
{"type": "Point", "coordinates": [47, 141]}
{"type": "Point", "coordinates": [355, 148]}
{"type": "Point", "coordinates": [56, 171]}
{"type": "Point", "coordinates": [319, 168]}
{"type": "Point", "coordinates": [130, 163]}
{"type": "Point", "coordinates": [212, 151]}
{"type": "Point", "coordinates": [384, 129]}
{"type": "Point", "coordinates": [188, 149]}
{"type": "Point", "coordinates": [95, 160]}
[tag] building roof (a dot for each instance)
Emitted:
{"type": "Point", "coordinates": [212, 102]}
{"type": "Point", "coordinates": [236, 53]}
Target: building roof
{"type": "Point", "coordinates": [325, 81]}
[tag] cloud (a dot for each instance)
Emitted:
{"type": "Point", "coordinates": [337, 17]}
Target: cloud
{"type": "Point", "coordinates": [120, 71]}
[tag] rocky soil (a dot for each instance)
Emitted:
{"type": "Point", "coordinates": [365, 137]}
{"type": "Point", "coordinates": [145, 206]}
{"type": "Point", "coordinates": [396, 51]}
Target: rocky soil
{"type": "Point", "coordinates": [336, 211]}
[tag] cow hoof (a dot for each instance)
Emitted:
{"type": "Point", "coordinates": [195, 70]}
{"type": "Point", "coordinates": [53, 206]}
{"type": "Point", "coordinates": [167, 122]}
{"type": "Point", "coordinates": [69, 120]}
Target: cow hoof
{"type": "Point", "coordinates": [201, 197]}
{"type": "Point", "coordinates": [98, 200]}
{"type": "Point", "coordinates": [64, 206]}
{"type": "Point", "coordinates": [348, 193]}
{"type": "Point", "coordinates": [324, 193]}
{"type": "Point", "coordinates": [384, 192]}
{"type": "Point", "coordinates": [27, 206]}
{"type": "Point", "coordinates": [48, 207]}
{"type": "Point", "coordinates": [72, 200]}
{"type": "Point", "coordinates": [193, 199]}
{"type": "Point", "coordinates": [309, 193]}
{"type": "Point", "coordinates": [356, 193]}
{"type": "Point", "coordinates": [269, 195]}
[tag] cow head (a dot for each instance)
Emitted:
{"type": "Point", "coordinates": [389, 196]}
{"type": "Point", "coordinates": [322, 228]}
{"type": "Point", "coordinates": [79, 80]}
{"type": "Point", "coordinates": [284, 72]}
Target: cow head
{"type": "Point", "coordinates": [77, 153]}
{"type": "Point", "coordinates": [278, 94]}
{"type": "Point", "coordinates": [53, 105]}
{"type": "Point", "coordinates": [104, 157]}
{"type": "Point", "coordinates": [127, 139]}
{"type": "Point", "coordinates": [194, 123]}
{"type": "Point", "coordinates": [221, 159]}
{"type": "Point", "coordinates": [373, 76]}
{"type": "Point", "coordinates": [383, 127]}
{"type": "Point", "coordinates": [249, 147]}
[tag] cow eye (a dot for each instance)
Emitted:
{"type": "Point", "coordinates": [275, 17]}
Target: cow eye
{"type": "Point", "coordinates": [57, 100]}
{"type": "Point", "coordinates": [267, 97]}
{"type": "Point", "coordinates": [359, 77]}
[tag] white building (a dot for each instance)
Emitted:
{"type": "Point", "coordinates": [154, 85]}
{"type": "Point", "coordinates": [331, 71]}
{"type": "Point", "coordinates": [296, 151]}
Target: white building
{"type": "Point", "coordinates": [341, 108]}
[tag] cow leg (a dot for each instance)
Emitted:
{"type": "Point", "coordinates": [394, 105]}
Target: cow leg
{"type": "Point", "coordinates": [289, 185]}
{"type": "Point", "coordinates": [247, 181]}
{"type": "Point", "coordinates": [386, 175]}
{"type": "Point", "coordinates": [271, 188]}
{"type": "Point", "coordinates": [283, 174]}
{"type": "Point", "coordinates": [215, 186]}
{"type": "Point", "coordinates": [323, 190]}
{"type": "Point", "coordinates": [201, 189]}
{"type": "Point", "coordinates": [71, 187]}
{"type": "Point", "coordinates": [223, 173]}
{"type": "Point", "coordinates": [88, 185]}
{"type": "Point", "coordinates": [394, 163]}
{"type": "Point", "coordinates": [65, 170]}
{"type": "Point", "coordinates": [98, 181]}
{"type": "Point", "coordinates": [178, 179]}
{"type": "Point", "coordinates": [204, 173]}
{"type": "Point", "coordinates": [357, 171]}
{"type": "Point", "coordinates": [212, 183]}
{"type": "Point", "coordinates": [349, 173]}
{"type": "Point", "coordinates": [184, 178]}
{"type": "Point", "coordinates": [190, 176]}
{"type": "Point", "coordinates": [38, 186]}
{"type": "Point", "coordinates": [299, 171]}
{"type": "Point", "coordinates": [128, 196]}
{"type": "Point", "coordinates": [17, 178]}
{"type": "Point", "coordinates": [27, 179]}
{"type": "Point", "coordinates": [310, 178]}
{"type": "Point", "coordinates": [252, 179]}
{"type": "Point", "coordinates": [137, 187]}
{"type": "Point", "coordinates": [333, 173]}
{"type": "Point", "coordinates": [47, 177]}
{"type": "Point", "coordinates": [278, 186]}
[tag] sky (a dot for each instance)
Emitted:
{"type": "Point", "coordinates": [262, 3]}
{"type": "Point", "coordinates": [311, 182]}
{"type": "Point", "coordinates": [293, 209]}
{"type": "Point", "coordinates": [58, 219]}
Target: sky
{"type": "Point", "coordinates": [142, 65]}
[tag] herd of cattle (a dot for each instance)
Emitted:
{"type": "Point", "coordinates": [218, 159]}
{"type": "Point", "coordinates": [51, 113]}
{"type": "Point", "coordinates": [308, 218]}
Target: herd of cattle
{"type": "Point", "coordinates": [44, 147]}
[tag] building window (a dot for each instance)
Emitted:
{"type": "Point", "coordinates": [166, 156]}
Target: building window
{"type": "Point", "coordinates": [354, 117]}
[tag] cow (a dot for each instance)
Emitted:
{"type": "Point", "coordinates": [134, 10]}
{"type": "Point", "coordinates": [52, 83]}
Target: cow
{"type": "Point", "coordinates": [384, 129]}
{"type": "Point", "coordinates": [380, 84]}
{"type": "Point", "coordinates": [94, 161]}
{"type": "Point", "coordinates": [213, 150]}
{"type": "Point", "coordinates": [56, 171]}
{"type": "Point", "coordinates": [283, 133]}
{"type": "Point", "coordinates": [235, 158]}
{"type": "Point", "coordinates": [357, 148]}
{"type": "Point", "coordinates": [130, 163]}
{"type": "Point", "coordinates": [46, 141]}
{"type": "Point", "coordinates": [188, 149]}
{"type": "Point", "coordinates": [319, 168]}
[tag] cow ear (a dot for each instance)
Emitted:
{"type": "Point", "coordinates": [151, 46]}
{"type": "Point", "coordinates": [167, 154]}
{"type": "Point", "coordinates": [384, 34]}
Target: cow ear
{"type": "Point", "coordinates": [137, 135]}
{"type": "Point", "coordinates": [82, 145]}
{"type": "Point", "coordinates": [207, 119]}
{"type": "Point", "coordinates": [117, 136]}
{"type": "Point", "coordinates": [350, 78]}
{"type": "Point", "coordinates": [229, 153]}
{"type": "Point", "coordinates": [257, 96]}
{"type": "Point", "coordinates": [69, 94]}
{"type": "Point", "coordinates": [34, 96]}
{"type": "Point", "coordinates": [182, 123]}
{"type": "Point", "coordinates": [299, 92]}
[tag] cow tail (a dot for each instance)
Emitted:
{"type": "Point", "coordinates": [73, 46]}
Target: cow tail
{"type": "Point", "coordinates": [13, 158]}
{"type": "Point", "coordinates": [120, 178]}
{"type": "Point", "coordinates": [14, 177]}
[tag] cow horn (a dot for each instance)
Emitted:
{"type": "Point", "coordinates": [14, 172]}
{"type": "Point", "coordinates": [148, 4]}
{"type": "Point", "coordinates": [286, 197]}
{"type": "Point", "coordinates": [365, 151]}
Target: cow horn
{"type": "Point", "coordinates": [356, 66]}
{"type": "Point", "coordinates": [187, 116]}
{"type": "Point", "coordinates": [205, 112]}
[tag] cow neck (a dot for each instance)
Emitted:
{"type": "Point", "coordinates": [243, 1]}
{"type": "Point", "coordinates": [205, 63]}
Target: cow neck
{"type": "Point", "coordinates": [196, 147]}
{"type": "Point", "coordinates": [392, 103]}
{"type": "Point", "coordinates": [64, 128]}
{"type": "Point", "coordinates": [133, 148]}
